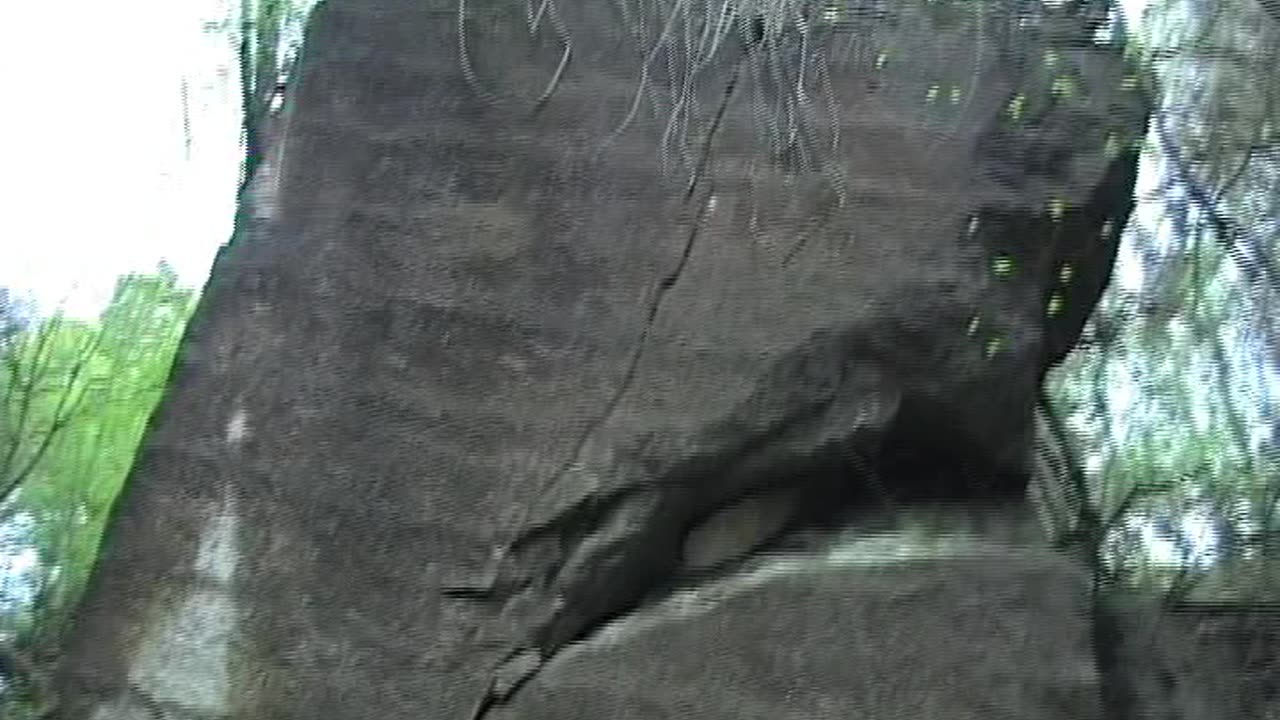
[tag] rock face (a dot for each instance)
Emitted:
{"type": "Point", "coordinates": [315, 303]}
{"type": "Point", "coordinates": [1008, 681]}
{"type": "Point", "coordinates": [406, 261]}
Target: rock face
{"type": "Point", "coordinates": [543, 314]}
{"type": "Point", "coordinates": [1197, 662]}
{"type": "Point", "coordinates": [866, 629]}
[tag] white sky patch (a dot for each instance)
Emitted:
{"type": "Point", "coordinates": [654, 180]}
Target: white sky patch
{"type": "Point", "coordinates": [1194, 544]}
{"type": "Point", "coordinates": [17, 559]}
{"type": "Point", "coordinates": [1133, 10]}
{"type": "Point", "coordinates": [98, 180]}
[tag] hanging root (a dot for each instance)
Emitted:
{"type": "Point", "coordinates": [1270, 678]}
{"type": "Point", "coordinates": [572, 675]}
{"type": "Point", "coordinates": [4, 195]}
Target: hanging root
{"type": "Point", "coordinates": [789, 71]}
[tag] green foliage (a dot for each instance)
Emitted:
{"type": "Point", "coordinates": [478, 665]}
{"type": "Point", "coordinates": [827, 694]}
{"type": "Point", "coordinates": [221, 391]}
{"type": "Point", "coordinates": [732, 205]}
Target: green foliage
{"type": "Point", "coordinates": [1172, 397]}
{"type": "Point", "coordinates": [75, 398]}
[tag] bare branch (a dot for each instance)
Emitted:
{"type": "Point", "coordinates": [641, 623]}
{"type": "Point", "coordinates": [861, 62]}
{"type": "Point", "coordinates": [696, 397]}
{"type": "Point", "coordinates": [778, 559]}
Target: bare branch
{"type": "Point", "coordinates": [62, 416]}
{"type": "Point", "coordinates": [40, 364]}
{"type": "Point", "coordinates": [1244, 249]}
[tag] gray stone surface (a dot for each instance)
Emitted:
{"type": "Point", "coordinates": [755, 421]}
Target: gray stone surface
{"type": "Point", "coordinates": [521, 312]}
{"type": "Point", "coordinates": [969, 629]}
{"type": "Point", "coordinates": [1195, 662]}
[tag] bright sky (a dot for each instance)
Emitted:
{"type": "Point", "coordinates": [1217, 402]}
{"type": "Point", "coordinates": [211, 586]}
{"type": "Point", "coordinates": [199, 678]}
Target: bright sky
{"type": "Point", "coordinates": [99, 182]}
{"type": "Point", "coordinates": [98, 179]}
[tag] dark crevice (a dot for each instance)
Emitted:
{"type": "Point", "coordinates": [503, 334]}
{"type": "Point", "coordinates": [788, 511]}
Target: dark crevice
{"type": "Point", "coordinates": [592, 507]}
{"type": "Point", "coordinates": [680, 494]}
{"type": "Point", "coordinates": [822, 491]}
{"type": "Point", "coordinates": [928, 461]}
{"type": "Point", "coordinates": [576, 522]}
{"type": "Point", "coordinates": [824, 496]}
{"type": "Point", "coordinates": [820, 497]}
{"type": "Point", "coordinates": [1117, 698]}
{"type": "Point", "coordinates": [643, 581]}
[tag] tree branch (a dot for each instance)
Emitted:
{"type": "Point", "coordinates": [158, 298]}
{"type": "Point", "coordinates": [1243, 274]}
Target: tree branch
{"type": "Point", "coordinates": [1244, 249]}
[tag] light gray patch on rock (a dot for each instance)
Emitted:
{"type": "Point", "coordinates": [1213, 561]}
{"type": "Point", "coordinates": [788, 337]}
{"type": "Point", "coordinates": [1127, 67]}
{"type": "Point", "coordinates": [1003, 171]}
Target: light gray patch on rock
{"type": "Point", "coordinates": [185, 658]}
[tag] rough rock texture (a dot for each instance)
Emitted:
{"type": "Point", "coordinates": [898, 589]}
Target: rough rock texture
{"type": "Point", "coordinates": [879, 624]}
{"type": "Point", "coordinates": [1194, 663]}
{"type": "Point", "coordinates": [540, 311]}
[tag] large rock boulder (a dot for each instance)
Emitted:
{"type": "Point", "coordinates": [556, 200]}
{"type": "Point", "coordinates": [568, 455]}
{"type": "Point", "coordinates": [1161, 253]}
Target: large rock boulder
{"type": "Point", "coordinates": [541, 312]}
{"type": "Point", "coordinates": [942, 612]}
